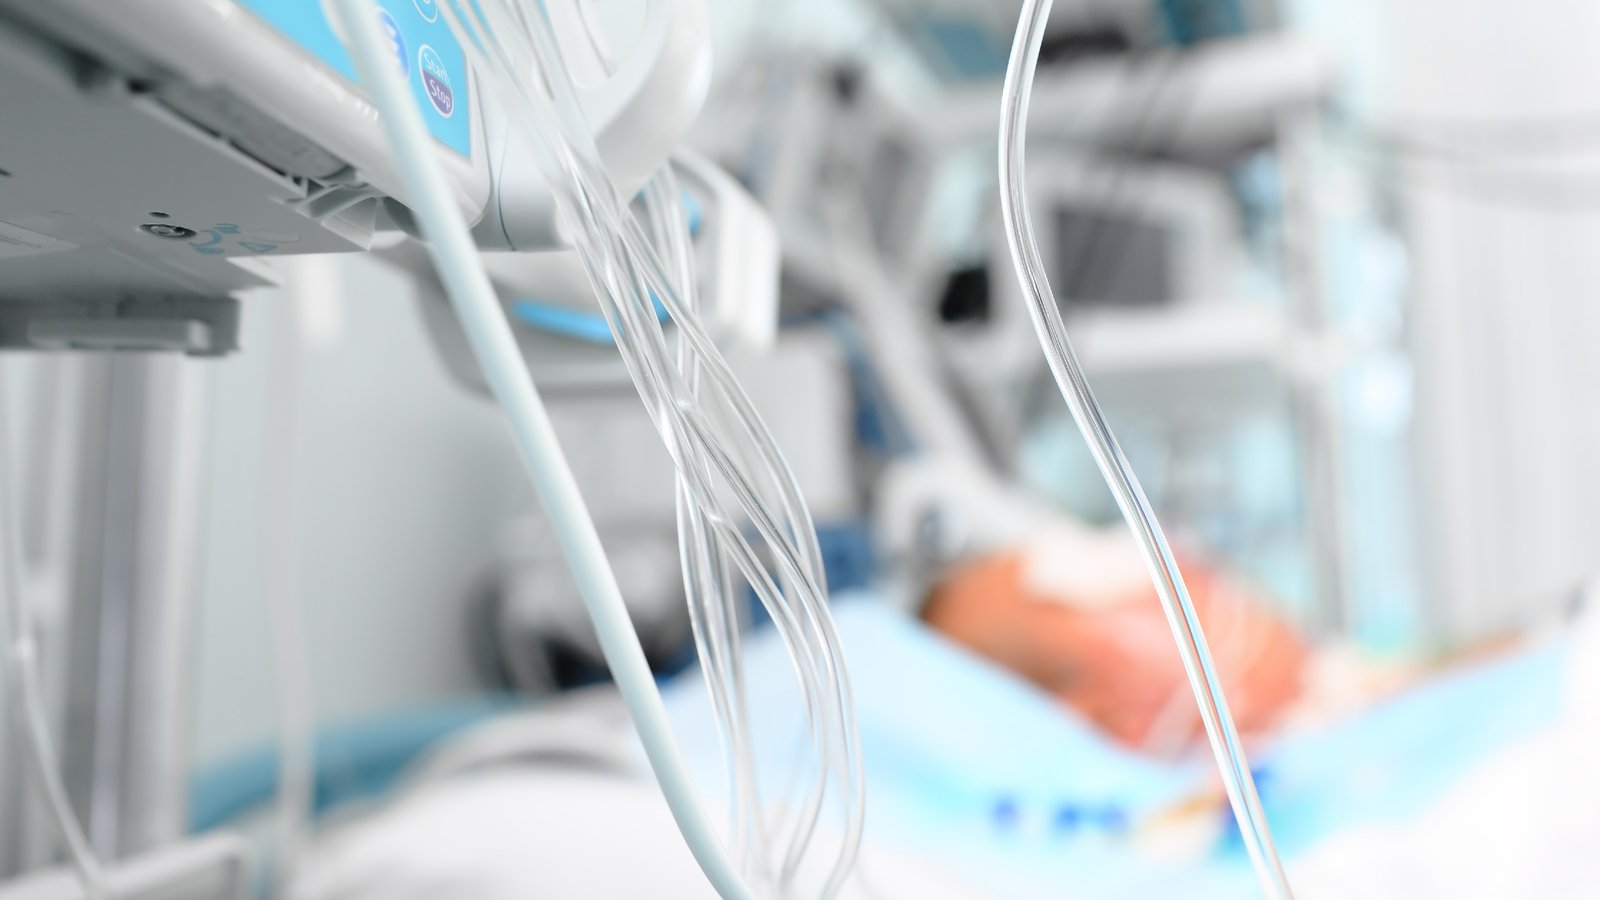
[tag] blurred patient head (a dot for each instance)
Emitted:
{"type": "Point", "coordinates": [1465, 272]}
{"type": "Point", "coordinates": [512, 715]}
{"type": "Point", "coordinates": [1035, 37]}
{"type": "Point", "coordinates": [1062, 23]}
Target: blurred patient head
{"type": "Point", "coordinates": [1075, 613]}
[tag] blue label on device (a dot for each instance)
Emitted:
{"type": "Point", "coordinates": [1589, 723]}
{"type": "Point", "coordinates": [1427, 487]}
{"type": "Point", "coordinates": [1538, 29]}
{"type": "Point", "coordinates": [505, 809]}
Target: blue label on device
{"type": "Point", "coordinates": [438, 81]}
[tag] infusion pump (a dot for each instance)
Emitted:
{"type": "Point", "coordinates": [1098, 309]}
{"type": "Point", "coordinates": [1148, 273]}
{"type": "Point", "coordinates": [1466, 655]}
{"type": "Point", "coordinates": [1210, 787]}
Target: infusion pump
{"type": "Point", "coordinates": [158, 156]}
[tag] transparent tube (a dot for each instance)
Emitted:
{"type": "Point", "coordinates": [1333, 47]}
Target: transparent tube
{"type": "Point", "coordinates": [685, 430]}
{"type": "Point", "coordinates": [1114, 467]}
{"type": "Point", "coordinates": [27, 694]}
{"type": "Point", "coordinates": [802, 566]}
{"type": "Point", "coordinates": [711, 592]}
{"type": "Point", "coordinates": [490, 336]}
{"type": "Point", "coordinates": [629, 280]}
{"type": "Point", "coordinates": [800, 570]}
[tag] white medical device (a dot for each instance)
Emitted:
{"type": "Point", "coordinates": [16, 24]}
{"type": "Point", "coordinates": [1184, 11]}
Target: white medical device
{"type": "Point", "coordinates": [1122, 239]}
{"type": "Point", "coordinates": [157, 155]}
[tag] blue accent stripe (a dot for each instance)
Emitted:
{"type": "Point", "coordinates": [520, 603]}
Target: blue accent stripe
{"type": "Point", "coordinates": [591, 327]}
{"type": "Point", "coordinates": [576, 324]}
{"type": "Point", "coordinates": [353, 761]}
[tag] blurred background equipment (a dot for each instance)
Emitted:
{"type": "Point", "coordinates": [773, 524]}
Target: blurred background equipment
{"type": "Point", "coordinates": [1323, 263]}
{"type": "Point", "coordinates": [111, 256]}
{"type": "Point", "coordinates": [1160, 191]}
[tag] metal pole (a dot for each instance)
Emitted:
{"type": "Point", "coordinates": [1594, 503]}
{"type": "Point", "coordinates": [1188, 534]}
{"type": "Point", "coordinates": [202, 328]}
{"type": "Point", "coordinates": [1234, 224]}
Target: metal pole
{"type": "Point", "coordinates": [1316, 392]}
{"type": "Point", "coordinates": [126, 752]}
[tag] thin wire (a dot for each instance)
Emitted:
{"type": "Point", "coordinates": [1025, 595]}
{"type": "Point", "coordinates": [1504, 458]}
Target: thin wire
{"type": "Point", "coordinates": [1114, 466]}
{"type": "Point", "coordinates": [27, 694]}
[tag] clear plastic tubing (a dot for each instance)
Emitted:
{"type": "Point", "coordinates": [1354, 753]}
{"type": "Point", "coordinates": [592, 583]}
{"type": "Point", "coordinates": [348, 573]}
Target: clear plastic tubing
{"type": "Point", "coordinates": [1113, 465]}
{"type": "Point", "coordinates": [491, 339]}
{"type": "Point", "coordinates": [707, 591]}
{"type": "Point", "coordinates": [624, 268]}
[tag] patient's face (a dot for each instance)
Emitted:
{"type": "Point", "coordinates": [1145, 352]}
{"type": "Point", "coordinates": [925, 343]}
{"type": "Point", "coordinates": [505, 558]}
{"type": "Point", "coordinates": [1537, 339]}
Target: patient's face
{"type": "Point", "coordinates": [1113, 658]}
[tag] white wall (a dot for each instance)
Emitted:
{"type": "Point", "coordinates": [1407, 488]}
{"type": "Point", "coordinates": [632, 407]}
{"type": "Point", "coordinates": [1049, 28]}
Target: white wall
{"type": "Point", "coordinates": [1505, 300]}
{"type": "Point", "coordinates": [403, 481]}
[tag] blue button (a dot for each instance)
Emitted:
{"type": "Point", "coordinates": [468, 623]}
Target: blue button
{"type": "Point", "coordinates": [428, 10]}
{"type": "Point", "coordinates": [436, 81]}
{"type": "Point", "coordinates": [397, 42]}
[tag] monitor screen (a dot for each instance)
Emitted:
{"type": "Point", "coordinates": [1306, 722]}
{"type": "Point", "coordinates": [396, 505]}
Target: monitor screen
{"type": "Point", "coordinates": [1107, 259]}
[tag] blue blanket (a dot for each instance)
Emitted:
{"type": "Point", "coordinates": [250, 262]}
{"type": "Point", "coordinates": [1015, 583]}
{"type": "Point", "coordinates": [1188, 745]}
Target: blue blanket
{"type": "Point", "coordinates": [969, 765]}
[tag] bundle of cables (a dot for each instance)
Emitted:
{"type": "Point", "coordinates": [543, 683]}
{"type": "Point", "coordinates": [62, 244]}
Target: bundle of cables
{"type": "Point", "coordinates": [732, 482]}
{"type": "Point", "coordinates": [1114, 467]}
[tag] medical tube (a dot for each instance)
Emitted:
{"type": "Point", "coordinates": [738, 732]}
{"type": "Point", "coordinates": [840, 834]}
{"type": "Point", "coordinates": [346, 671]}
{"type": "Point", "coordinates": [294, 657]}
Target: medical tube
{"type": "Point", "coordinates": [26, 693]}
{"type": "Point", "coordinates": [490, 336]}
{"type": "Point", "coordinates": [683, 431]}
{"type": "Point", "coordinates": [806, 655]}
{"type": "Point", "coordinates": [629, 279]}
{"type": "Point", "coordinates": [708, 587]}
{"type": "Point", "coordinates": [814, 609]}
{"type": "Point", "coordinates": [712, 593]}
{"type": "Point", "coordinates": [648, 371]}
{"type": "Point", "coordinates": [1114, 467]}
{"type": "Point", "coordinates": [801, 566]}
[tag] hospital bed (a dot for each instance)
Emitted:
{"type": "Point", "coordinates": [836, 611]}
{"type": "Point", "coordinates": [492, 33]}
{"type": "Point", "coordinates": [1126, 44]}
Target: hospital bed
{"type": "Point", "coordinates": [1003, 792]}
